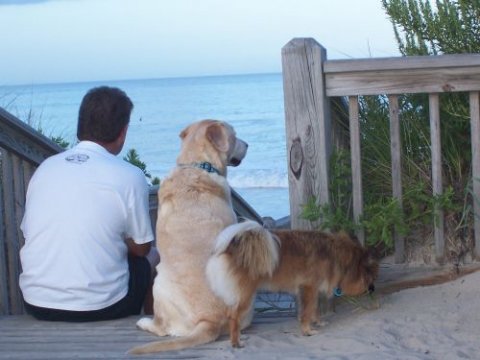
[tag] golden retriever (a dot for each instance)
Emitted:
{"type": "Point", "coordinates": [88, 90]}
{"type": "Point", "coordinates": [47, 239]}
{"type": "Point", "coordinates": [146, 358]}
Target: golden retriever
{"type": "Point", "coordinates": [195, 205]}
{"type": "Point", "coordinates": [248, 257]}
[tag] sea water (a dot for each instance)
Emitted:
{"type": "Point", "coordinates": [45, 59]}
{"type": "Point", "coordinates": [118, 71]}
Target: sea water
{"type": "Point", "coordinates": [252, 104]}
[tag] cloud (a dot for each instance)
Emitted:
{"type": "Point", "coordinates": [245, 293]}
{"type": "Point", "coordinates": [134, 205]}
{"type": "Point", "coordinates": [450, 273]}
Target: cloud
{"type": "Point", "coordinates": [22, 2]}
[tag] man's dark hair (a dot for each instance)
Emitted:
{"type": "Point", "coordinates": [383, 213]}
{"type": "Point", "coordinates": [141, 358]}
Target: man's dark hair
{"type": "Point", "coordinates": [103, 114]}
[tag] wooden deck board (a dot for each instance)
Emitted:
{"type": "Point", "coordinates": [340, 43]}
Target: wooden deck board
{"type": "Point", "coordinates": [22, 337]}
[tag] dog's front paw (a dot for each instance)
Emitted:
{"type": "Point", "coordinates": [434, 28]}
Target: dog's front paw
{"type": "Point", "coordinates": [308, 331]}
{"type": "Point", "coordinates": [151, 325]}
{"type": "Point", "coordinates": [238, 344]}
{"type": "Point", "coordinates": [145, 323]}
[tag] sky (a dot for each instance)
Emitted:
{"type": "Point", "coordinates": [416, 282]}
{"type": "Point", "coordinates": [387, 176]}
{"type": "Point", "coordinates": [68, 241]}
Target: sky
{"type": "Point", "coordinates": [52, 41]}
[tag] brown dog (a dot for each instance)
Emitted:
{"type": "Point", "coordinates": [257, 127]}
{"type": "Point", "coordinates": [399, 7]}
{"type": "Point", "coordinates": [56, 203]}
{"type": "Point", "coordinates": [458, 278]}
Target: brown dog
{"type": "Point", "coordinates": [248, 257]}
{"type": "Point", "coordinates": [195, 205]}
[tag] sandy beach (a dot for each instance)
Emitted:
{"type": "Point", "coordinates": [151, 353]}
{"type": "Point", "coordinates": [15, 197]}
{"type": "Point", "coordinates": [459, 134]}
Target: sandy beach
{"type": "Point", "coordinates": [434, 322]}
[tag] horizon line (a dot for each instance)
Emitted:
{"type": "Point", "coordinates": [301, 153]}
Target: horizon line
{"type": "Point", "coordinates": [136, 79]}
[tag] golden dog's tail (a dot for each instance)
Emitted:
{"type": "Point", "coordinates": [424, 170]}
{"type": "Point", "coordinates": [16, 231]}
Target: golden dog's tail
{"type": "Point", "coordinates": [245, 248]}
{"type": "Point", "coordinates": [203, 333]}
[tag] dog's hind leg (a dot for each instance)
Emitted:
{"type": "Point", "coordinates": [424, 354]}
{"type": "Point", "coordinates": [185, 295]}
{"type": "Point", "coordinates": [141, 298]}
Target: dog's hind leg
{"type": "Point", "coordinates": [234, 324]}
{"type": "Point", "coordinates": [308, 309]}
{"type": "Point", "coordinates": [235, 321]}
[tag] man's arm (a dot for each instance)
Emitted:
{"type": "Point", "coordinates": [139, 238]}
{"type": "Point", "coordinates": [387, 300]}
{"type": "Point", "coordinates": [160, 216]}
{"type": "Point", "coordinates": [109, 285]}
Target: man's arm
{"type": "Point", "coordinates": [138, 249]}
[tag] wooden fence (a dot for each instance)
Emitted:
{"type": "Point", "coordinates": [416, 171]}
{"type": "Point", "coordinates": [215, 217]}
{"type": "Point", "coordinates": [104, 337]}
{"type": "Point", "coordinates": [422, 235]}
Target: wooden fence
{"type": "Point", "coordinates": [22, 149]}
{"type": "Point", "coordinates": [311, 81]}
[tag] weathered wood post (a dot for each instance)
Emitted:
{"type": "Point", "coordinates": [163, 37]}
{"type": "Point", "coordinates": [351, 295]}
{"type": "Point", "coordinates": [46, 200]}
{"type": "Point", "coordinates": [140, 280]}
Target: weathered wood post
{"type": "Point", "coordinates": [308, 126]}
{"type": "Point", "coordinates": [395, 151]}
{"type": "Point", "coordinates": [475, 133]}
{"type": "Point", "coordinates": [437, 186]}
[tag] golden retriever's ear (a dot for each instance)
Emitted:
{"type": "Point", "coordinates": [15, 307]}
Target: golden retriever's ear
{"type": "Point", "coordinates": [184, 133]}
{"type": "Point", "coordinates": [218, 136]}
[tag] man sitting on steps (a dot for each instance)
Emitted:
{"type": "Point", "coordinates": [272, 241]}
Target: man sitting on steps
{"type": "Point", "coordinates": [86, 225]}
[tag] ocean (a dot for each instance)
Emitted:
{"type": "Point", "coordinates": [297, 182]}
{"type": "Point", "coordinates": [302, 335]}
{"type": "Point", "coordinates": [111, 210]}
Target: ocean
{"type": "Point", "coordinates": [252, 104]}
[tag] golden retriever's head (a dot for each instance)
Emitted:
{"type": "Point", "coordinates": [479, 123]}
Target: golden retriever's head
{"type": "Point", "coordinates": [214, 142]}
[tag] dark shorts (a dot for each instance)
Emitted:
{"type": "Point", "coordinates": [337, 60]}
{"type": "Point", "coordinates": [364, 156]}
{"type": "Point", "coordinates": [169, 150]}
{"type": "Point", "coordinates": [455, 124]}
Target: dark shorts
{"type": "Point", "coordinates": [131, 304]}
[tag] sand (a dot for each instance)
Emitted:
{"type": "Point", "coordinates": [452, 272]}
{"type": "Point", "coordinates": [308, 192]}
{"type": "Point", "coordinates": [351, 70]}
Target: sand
{"type": "Point", "coordinates": [434, 322]}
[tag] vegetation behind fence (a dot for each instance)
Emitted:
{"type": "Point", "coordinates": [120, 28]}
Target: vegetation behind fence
{"type": "Point", "coordinates": [311, 81]}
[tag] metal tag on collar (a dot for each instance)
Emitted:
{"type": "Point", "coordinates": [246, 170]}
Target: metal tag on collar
{"type": "Point", "coordinates": [337, 292]}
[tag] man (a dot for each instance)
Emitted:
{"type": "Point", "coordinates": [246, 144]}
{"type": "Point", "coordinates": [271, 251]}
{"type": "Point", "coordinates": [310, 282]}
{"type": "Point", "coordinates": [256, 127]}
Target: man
{"type": "Point", "coordinates": [86, 225]}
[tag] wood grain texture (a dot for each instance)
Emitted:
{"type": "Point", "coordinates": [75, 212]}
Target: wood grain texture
{"type": "Point", "coordinates": [437, 181]}
{"type": "Point", "coordinates": [400, 75]}
{"type": "Point", "coordinates": [355, 152]}
{"type": "Point", "coordinates": [396, 158]}
{"type": "Point", "coordinates": [24, 141]}
{"type": "Point", "coordinates": [308, 126]}
{"type": "Point", "coordinates": [4, 300]}
{"type": "Point", "coordinates": [475, 130]}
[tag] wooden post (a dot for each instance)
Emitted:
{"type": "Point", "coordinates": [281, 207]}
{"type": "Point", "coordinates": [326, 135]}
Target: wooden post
{"type": "Point", "coordinates": [395, 150]}
{"type": "Point", "coordinates": [475, 130]}
{"type": "Point", "coordinates": [355, 153]}
{"type": "Point", "coordinates": [436, 148]}
{"type": "Point", "coordinates": [4, 301]}
{"type": "Point", "coordinates": [308, 128]}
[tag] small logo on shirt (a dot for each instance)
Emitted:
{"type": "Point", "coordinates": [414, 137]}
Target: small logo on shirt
{"type": "Point", "coordinates": [77, 158]}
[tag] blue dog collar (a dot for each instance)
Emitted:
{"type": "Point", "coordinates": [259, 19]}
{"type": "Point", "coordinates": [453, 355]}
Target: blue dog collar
{"type": "Point", "coordinates": [208, 167]}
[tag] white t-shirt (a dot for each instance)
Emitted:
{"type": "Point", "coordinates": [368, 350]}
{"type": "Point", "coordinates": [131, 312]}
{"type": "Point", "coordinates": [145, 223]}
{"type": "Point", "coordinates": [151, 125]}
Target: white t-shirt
{"type": "Point", "coordinates": [81, 206]}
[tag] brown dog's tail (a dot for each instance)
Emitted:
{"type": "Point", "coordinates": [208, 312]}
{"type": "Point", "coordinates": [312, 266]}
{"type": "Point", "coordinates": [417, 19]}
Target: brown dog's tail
{"type": "Point", "coordinates": [245, 247]}
{"type": "Point", "coordinates": [203, 333]}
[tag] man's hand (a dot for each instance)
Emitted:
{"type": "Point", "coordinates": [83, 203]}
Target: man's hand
{"type": "Point", "coordinates": [138, 249]}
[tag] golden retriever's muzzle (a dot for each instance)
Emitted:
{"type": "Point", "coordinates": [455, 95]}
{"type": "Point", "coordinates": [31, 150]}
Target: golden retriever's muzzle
{"type": "Point", "coordinates": [238, 153]}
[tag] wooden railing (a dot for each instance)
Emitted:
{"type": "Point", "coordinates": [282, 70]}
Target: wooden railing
{"type": "Point", "coordinates": [22, 149]}
{"type": "Point", "coordinates": [310, 83]}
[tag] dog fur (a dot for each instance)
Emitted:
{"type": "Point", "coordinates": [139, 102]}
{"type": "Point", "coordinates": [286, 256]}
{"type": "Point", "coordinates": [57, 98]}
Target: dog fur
{"type": "Point", "coordinates": [195, 206]}
{"type": "Point", "coordinates": [248, 257]}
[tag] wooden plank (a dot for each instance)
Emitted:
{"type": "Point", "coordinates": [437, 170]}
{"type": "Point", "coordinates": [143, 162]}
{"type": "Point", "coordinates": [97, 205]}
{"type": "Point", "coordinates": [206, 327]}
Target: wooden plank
{"type": "Point", "coordinates": [153, 206]}
{"type": "Point", "coordinates": [427, 80]}
{"type": "Point", "coordinates": [437, 187]}
{"type": "Point", "coordinates": [4, 300]}
{"type": "Point", "coordinates": [14, 244]}
{"type": "Point", "coordinates": [475, 131]}
{"type": "Point", "coordinates": [357, 192]}
{"type": "Point", "coordinates": [10, 228]}
{"type": "Point", "coordinates": [403, 63]}
{"type": "Point", "coordinates": [395, 150]}
{"type": "Point", "coordinates": [308, 126]}
{"type": "Point", "coordinates": [28, 171]}
{"type": "Point", "coordinates": [23, 140]}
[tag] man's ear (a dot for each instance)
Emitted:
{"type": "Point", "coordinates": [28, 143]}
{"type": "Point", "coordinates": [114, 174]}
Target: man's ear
{"type": "Point", "coordinates": [217, 134]}
{"type": "Point", "coordinates": [116, 146]}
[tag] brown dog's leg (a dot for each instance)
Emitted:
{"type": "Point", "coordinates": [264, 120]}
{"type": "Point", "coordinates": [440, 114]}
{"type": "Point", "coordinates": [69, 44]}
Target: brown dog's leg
{"type": "Point", "coordinates": [235, 329]}
{"type": "Point", "coordinates": [235, 320]}
{"type": "Point", "coordinates": [239, 313]}
{"type": "Point", "coordinates": [308, 308]}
